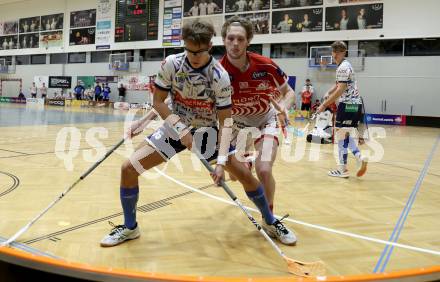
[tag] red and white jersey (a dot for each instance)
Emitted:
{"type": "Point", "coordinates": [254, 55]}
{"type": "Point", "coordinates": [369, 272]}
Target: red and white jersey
{"type": "Point", "coordinates": [251, 106]}
{"type": "Point", "coordinates": [196, 94]}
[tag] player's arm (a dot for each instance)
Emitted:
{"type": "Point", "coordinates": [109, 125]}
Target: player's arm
{"type": "Point", "coordinates": [223, 90]}
{"type": "Point", "coordinates": [224, 141]}
{"type": "Point", "coordinates": [139, 125]}
{"type": "Point", "coordinates": [159, 104]}
{"type": "Point", "coordinates": [287, 97]}
{"type": "Point", "coordinates": [332, 90]}
{"type": "Point", "coordinates": [339, 89]}
{"type": "Point", "coordinates": [173, 120]}
{"type": "Point", "coordinates": [163, 85]}
{"type": "Point", "coordinates": [286, 102]}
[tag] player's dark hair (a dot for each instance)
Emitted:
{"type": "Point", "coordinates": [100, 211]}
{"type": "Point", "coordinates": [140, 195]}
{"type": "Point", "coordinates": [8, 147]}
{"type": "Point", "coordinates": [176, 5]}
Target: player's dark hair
{"type": "Point", "coordinates": [236, 20]}
{"type": "Point", "coordinates": [339, 46]}
{"type": "Point", "coordinates": [200, 32]}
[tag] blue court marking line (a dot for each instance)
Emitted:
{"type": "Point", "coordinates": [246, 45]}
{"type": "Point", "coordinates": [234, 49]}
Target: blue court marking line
{"type": "Point", "coordinates": [306, 224]}
{"type": "Point", "coordinates": [388, 250]}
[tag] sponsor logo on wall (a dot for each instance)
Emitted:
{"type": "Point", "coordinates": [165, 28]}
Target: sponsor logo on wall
{"type": "Point", "coordinates": [106, 79]}
{"type": "Point", "coordinates": [14, 100]}
{"type": "Point", "coordinates": [121, 105]}
{"type": "Point", "coordinates": [56, 102]}
{"type": "Point", "coordinates": [35, 101]}
{"type": "Point", "coordinates": [103, 24]}
{"type": "Point", "coordinates": [60, 81]}
{"type": "Point", "coordinates": [386, 119]}
{"type": "Point", "coordinates": [172, 23]}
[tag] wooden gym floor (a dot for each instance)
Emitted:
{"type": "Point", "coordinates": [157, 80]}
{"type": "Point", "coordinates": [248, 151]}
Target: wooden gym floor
{"type": "Point", "coordinates": [347, 223]}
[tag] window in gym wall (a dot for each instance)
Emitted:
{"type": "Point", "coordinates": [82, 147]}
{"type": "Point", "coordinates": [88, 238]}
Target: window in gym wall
{"type": "Point", "coordinates": [152, 54]}
{"type": "Point", "coordinates": [38, 59]}
{"type": "Point", "coordinates": [23, 60]}
{"type": "Point", "coordinates": [318, 44]}
{"type": "Point", "coordinates": [218, 52]}
{"type": "Point", "coordinates": [130, 54]}
{"type": "Point", "coordinates": [288, 50]}
{"type": "Point", "coordinates": [100, 57]}
{"type": "Point", "coordinates": [172, 51]}
{"type": "Point", "coordinates": [6, 59]}
{"type": "Point", "coordinates": [256, 48]}
{"type": "Point", "coordinates": [77, 58]}
{"type": "Point", "coordinates": [58, 58]}
{"type": "Point", "coordinates": [422, 47]}
{"type": "Point", "coordinates": [382, 48]}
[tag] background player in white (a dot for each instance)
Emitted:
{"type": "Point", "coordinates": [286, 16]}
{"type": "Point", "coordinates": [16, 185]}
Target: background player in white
{"type": "Point", "coordinates": [256, 80]}
{"type": "Point", "coordinates": [303, 3]}
{"type": "Point", "coordinates": [5, 44]}
{"type": "Point", "coordinates": [200, 92]}
{"type": "Point", "coordinates": [343, 22]}
{"type": "Point", "coordinates": [43, 90]}
{"type": "Point", "coordinates": [305, 24]}
{"type": "Point", "coordinates": [361, 21]}
{"type": "Point", "coordinates": [11, 44]}
{"type": "Point", "coordinates": [203, 8]}
{"type": "Point", "coordinates": [194, 11]}
{"type": "Point", "coordinates": [241, 6]}
{"type": "Point", "coordinates": [255, 5]}
{"type": "Point", "coordinates": [212, 7]}
{"type": "Point", "coordinates": [285, 25]}
{"type": "Point", "coordinates": [349, 112]}
{"type": "Point", "coordinates": [33, 90]}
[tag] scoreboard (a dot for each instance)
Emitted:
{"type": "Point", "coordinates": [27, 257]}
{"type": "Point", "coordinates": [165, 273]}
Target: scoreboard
{"type": "Point", "coordinates": [136, 20]}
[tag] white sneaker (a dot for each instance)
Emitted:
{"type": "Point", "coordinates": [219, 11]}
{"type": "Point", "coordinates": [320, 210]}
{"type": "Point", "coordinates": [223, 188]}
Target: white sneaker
{"type": "Point", "coordinates": [119, 234]}
{"type": "Point", "coordinates": [362, 166]}
{"type": "Point", "coordinates": [279, 231]}
{"type": "Point", "coordinates": [338, 173]}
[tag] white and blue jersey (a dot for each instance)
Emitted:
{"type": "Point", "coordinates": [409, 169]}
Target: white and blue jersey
{"type": "Point", "coordinates": [196, 94]}
{"type": "Point", "coordinates": [345, 74]}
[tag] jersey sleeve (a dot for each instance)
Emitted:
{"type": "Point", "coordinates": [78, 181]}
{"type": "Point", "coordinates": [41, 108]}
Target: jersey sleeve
{"type": "Point", "coordinates": [222, 89]}
{"type": "Point", "coordinates": [343, 73]}
{"type": "Point", "coordinates": [280, 78]}
{"type": "Point", "coordinates": [164, 77]}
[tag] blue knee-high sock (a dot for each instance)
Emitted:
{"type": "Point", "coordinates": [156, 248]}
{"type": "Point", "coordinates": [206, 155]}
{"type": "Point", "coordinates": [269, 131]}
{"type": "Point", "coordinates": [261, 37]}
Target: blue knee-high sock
{"type": "Point", "coordinates": [352, 146]}
{"type": "Point", "coordinates": [342, 150]}
{"type": "Point", "coordinates": [259, 199]}
{"type": "Point", "coordinates": [129, 198]}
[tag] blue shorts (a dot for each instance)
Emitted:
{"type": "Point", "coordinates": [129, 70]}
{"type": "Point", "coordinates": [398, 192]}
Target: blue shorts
{"type": "Point", "coordinates": [167, 143]}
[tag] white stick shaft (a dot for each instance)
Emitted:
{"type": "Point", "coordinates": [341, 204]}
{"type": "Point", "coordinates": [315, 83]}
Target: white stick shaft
{"type": "Point", "coordinates": [25, 228]}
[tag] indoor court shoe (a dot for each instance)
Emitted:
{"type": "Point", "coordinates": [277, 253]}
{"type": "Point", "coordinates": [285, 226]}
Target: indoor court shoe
{"type": "Point", "coordinates": [120, 234]}
{"type": "Point", "coordinates": [281, 232]}
{"type": "Point", "coordinates": [338, 173]}
{"type": "Point", "coordinates": [362, 166]}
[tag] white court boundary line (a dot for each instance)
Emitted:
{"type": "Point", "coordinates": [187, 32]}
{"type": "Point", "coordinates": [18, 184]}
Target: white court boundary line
{"type": "Point", "coordinates": [331, 230]}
